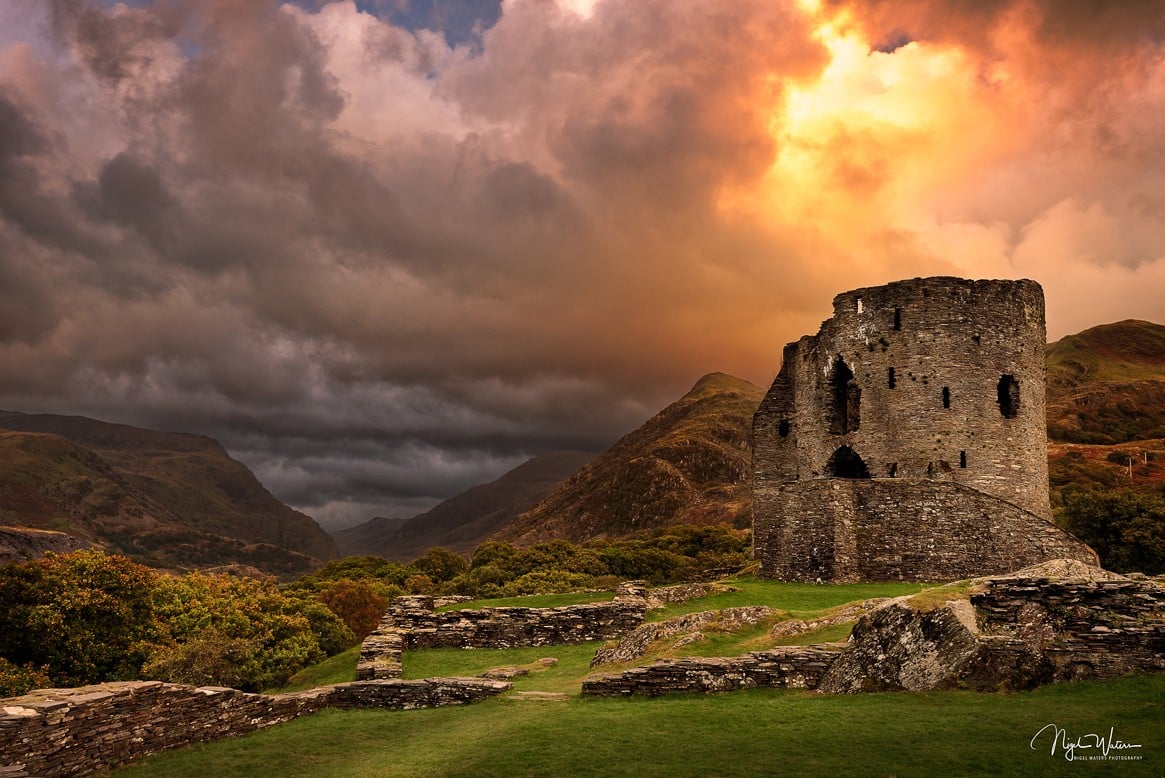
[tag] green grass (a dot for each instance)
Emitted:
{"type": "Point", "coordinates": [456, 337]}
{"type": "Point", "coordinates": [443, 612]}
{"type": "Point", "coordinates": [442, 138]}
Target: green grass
{"type": "Point", "coordinates": [340, 668]}
{"type": "Point", "coordinates": [758, 732]}
{"type": "Point", "coordinates": [799, 600]}
{"type": "Point", "coordinates": [534, 601]}
{"type": "Point", "coordinates": [566, 676]}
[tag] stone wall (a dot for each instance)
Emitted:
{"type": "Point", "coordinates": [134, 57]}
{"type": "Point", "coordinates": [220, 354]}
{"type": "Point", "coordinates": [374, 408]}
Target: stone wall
{"type": "Point", "coordinates": [83, 730]}
{"type": "Point", "coordinates": [1095, 629]}
{"type": "Point", "coordinates": [790, 667]}
{"type": "Point", "coordinates": [422, 627]}
{"type": "Point", "coordinates": [73, 732]}
{"type": "Point", "coordinates": [885, 529]}
{"type": "Point", "coordinates": [922, 383]}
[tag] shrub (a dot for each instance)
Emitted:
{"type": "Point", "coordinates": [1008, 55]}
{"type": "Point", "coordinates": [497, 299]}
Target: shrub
{"type": "Point", "coordinates": [16, 680]}
{"type": "Point", "coordinates": [86, 616]}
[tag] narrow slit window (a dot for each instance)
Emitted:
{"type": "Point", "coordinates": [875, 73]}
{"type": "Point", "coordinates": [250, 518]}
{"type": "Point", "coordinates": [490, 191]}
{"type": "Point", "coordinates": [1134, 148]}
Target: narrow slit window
{"type": "Point", "coordinates": [963, 459]}
{"type": "Point", "coordinates": [890, 380]}
{"type": "Point", "coordinates": [893, 469]}
{"type": "Point", "coordinates": [946, 397]}
{"type": "Point", "coordinates": [783, 428]}
{"type": "Point", "coordinates": [897, 318]}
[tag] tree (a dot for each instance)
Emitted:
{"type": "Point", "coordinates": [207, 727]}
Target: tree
{"type": "Point", "coordinates": [357, 605]}
{"type": "Point", "coordinates": [86, 616]}
{"type": "Point", "coordinates": [1127, 529]}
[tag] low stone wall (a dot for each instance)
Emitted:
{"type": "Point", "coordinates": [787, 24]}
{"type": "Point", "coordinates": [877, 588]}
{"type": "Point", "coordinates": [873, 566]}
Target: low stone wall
{"type": "Point", "coordinates": [91, 728]}
{"type": "Point", "coordinates": [399, 694]}
{"type": "Point", "coordinates": [423, 627]}
{"type": "Point", "coordinates": [74, 732]}
{"type": "Point", "coordinates": [789, 667]}
{"type": "Point", "coordinates": [1093, 629]}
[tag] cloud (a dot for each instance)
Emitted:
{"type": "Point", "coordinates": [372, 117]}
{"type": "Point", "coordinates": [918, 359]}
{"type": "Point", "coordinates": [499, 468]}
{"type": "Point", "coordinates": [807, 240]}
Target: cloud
{"type": "Point", "coordinates": [383, 256]}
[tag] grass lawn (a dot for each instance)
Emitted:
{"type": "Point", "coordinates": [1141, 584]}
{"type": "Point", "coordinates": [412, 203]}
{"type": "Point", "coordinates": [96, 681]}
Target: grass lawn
{"type": "Point", "coordinates": [758, 732]}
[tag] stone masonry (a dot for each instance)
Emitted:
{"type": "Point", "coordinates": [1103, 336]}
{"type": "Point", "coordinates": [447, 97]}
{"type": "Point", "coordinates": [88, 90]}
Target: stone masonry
{"type": "Point", "coordinates": [906, 439]}
{"type": "Point", "coordinates": [58, 732]}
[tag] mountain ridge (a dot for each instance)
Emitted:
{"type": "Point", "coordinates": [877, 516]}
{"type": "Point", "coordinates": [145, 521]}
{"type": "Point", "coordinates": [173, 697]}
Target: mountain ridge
{"type": "Point", "coordinates": [688, 464]}
{"type": "Point", "coordinates": [167, 499]}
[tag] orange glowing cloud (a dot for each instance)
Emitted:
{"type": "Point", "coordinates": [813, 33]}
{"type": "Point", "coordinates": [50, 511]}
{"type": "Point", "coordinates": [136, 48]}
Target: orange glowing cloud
{"type": "Point", "coordinates": [213, 210]}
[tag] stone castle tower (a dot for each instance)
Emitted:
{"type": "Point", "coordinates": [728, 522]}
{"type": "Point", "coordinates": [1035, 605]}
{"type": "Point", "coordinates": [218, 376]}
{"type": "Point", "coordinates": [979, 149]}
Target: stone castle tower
{"type": "Point", "coordinates": [907, 439]}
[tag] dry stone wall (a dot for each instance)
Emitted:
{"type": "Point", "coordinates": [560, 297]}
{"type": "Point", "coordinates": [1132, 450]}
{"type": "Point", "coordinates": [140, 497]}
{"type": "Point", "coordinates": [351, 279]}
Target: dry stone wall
{"type": "Point", "coordinates": [910, 388]}
{"type": "Point", "coordinates": [420, 626]}
{"type": "Point", "coordinates": [57, 732]}
{"type": "Point", "coordinates": [791, 667]}
{"type": "Point", "coordinates": [1095, 629]}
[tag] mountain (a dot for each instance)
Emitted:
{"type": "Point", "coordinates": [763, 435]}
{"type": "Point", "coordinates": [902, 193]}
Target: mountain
{"type": "Point", "coordinates": [689, 464]}
{"type": "Point", "coordinates": [462, 522]}
{"type": "Point", "coordinates": [166, 499]}
{"type": "Point", "coordinates": [1106, 384]}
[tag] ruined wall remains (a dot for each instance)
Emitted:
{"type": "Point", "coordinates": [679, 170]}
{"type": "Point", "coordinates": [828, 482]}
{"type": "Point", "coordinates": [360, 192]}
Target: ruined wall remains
{"type": "Point", "coordinates": [422, 627]}
{"type": "Point", "coordinates": [84, 730]}
{"type": "Point", "coordinates": [924, 384]}
{"type": "Point", "coordinates": [787, 667]}
{"type": "Point", "coordinates": [1097, 629]}
{"type": "Point", "coordinates": [89, 729]}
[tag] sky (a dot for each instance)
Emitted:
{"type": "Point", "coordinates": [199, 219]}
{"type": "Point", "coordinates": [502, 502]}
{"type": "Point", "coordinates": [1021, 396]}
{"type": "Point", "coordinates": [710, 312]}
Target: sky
{"type": "Point", "coordinates": [388, 249]}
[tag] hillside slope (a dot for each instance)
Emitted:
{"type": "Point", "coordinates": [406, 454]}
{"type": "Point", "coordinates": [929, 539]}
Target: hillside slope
{"type": "Point", "coordinates": [464, 521]}
{"type": "Point", "coordinates": [689, 464]}
{"type": "Point", "coordinates": [167, 499]}
{"type": "Point", "coordinates": [1106, 384]}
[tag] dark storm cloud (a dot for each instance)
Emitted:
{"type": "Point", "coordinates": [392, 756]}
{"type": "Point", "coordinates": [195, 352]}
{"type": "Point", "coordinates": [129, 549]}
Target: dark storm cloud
{"type": "Point", "coordinates": [385, 256]}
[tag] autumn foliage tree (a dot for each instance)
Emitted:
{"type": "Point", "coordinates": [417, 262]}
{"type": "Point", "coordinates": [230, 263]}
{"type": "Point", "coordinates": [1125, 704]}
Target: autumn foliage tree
{"type": "Point", "coordinates": [85, 616]}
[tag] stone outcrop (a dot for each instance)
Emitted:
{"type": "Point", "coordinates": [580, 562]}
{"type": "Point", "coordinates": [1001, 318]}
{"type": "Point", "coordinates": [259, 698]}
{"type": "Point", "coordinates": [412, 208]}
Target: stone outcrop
{"type": "Point", "coordinates": [59, 732]}
{"type": "Point", "coordinates": [1053, 622]}
{"type": "Point", "coordinates": [906, 440]}
{"type": "Point", "coordinates": [788, 667]}
{"type": "Point", "coordinates": [20, 544]}
{"type": "Point", "coordinates": [900, 648]}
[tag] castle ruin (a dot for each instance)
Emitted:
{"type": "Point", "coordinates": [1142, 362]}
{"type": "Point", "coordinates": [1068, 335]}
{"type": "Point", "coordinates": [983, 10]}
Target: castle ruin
{"type": "Point", "coordinates": [906, 440]}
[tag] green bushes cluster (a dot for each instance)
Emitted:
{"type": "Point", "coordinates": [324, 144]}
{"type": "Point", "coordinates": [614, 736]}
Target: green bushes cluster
{"type": "Point", "coordinates": [88, 617]}
{"type": "Point", "coordinates": [498, 569]}
{"type": "Point", "coordinates": [1126, 528]}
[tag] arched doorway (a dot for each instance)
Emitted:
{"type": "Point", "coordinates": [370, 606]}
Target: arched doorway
{"type": "Point", "coordinates": [847, 463]}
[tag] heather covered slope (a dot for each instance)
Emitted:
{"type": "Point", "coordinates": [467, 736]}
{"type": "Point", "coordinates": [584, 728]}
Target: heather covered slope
{"type": "Point", "coordinates": [1106, 384]}
{"type": "Point", "coordinates": [689, 464]}
{"type": "Point", "coordinates": [464, 521]}
{"type": "Point", "coordinates": [162, 498]}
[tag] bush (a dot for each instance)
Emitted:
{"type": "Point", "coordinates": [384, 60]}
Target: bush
{"type": "Point", "coordinates": [86, 616]}
{"type": "Point", "coordinates": [16, 680]}
{"type": "Point", "coordinates": [1127, 529]}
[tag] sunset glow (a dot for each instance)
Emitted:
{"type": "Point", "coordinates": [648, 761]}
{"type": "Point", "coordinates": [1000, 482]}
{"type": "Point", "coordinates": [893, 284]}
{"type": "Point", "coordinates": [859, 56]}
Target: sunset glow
{"type": "Point", "coordinates": [455, 235]}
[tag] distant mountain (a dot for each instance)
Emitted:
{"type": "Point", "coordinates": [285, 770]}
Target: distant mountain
{"type": "Point", "coordinates": [689, 464]}
{"type": "Point", "coordinates": [463, 522]}
{"type": "Point", "coordinates": [167, 499]}
{"type": "Point", "coordinates": [1106, 384]}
